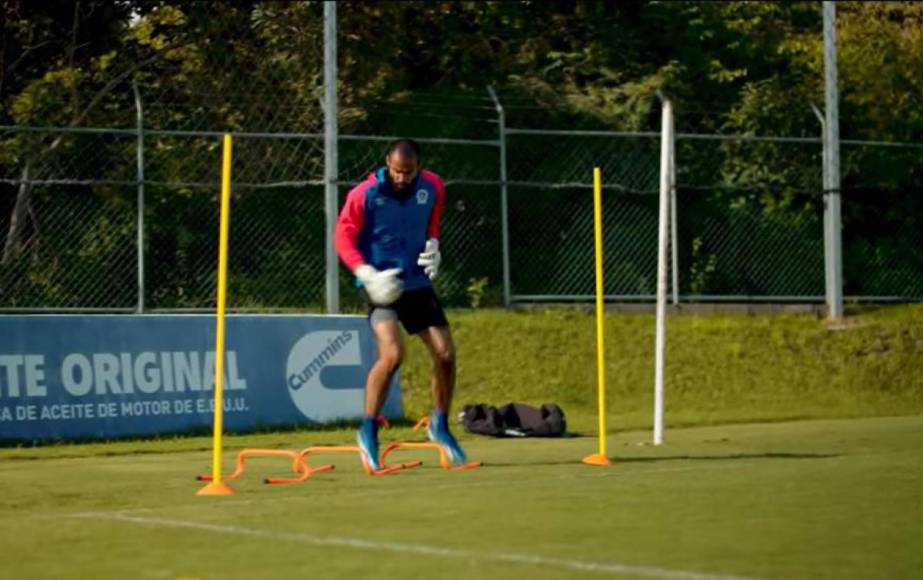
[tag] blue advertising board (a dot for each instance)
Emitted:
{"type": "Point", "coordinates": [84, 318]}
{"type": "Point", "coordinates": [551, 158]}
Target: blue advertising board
{"type": "Point", "coordinates": [99, 377]}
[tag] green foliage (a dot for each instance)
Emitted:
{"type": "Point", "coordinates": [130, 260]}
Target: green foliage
{"type": "Point", "coordinates": [476, 291]}
{"type": "Point", "coordinates": [742, 67]}
{"type": "Point", "coordinates": [703, 266]}
{"type": "Point", "coordinates": [44, 101]}
{"type": "Point", "coordinates": [760, 62]}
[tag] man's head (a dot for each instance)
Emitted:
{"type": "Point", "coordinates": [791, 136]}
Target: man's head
{"type": "Point", "coordinates": [403, 162]}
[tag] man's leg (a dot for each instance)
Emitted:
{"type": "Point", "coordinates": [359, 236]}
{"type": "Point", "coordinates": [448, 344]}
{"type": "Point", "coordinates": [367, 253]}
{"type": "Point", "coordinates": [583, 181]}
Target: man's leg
{"type": "Point", "coordinates": [438, 341]}
{"type": "Point", "coordinates": [390, 354]}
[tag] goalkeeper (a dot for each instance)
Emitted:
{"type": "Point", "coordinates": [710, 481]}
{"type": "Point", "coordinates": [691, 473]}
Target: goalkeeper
{"type": "Point", "coordinates": [388, 235]}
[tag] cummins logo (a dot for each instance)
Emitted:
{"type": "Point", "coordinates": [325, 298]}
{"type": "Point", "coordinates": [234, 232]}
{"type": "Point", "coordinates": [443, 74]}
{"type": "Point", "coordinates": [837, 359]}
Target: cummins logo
{"type": "Point", "coordinates": [324, 375]}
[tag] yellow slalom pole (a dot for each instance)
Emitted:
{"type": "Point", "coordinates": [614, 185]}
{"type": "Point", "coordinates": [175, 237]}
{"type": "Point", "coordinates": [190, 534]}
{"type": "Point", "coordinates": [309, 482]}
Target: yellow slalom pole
{"type": "Point", "coordinates": [217, 486]}
{"type": "Point", "coordinates": [600, 458]}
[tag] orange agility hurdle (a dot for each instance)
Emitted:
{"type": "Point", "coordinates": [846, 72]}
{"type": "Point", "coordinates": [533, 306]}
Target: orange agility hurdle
{"type": "Point", "coordinates": [299, 464]}
{"type": "Point", "coordinates": [341, 450]}
{"type": "Point", "coordinates": [443, 456]}
{"type": "Point", "coordinates": [303, 470]}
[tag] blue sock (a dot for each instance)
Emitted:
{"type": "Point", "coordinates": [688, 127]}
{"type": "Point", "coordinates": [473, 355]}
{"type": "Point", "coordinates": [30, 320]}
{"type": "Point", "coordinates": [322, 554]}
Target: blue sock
{"type": "Point", "coordinates": [368, 440]}
{"type": "Point", "coordinates": [369, 424]}
{"type": "Point", "coordinates": [439, 421]}
{"type": "Point", "coordinates": [439, 432]}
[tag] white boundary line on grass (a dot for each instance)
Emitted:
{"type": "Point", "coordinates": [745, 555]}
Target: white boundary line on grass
{"type": "Point", "coordinates": [419, 549]}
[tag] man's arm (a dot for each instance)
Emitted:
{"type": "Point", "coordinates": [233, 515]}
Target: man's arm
{"type": "Point", "coordinates": [349, 226]}
{"type": "Point", "coordinates": [434, 228]}
{"type": "Point", "coordinates": [383, 287]}
{"type": "Point", "coordinates": [431, 257]}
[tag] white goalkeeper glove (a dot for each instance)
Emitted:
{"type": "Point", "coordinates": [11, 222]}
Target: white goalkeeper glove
{"type": "Point", "coordinates": [383, 287]}
{"type": "Point", "coordinates": [430, 258]}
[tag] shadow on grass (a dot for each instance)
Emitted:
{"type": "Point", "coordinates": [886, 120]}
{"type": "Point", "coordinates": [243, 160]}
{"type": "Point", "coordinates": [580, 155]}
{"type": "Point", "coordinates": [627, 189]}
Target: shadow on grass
{"type": "Point", "coordinates": [616, 459]}
{"type": "Point", "coordinates": [731, 457]}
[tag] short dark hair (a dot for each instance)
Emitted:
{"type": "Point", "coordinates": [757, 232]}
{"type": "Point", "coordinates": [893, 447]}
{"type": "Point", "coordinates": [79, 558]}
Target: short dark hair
{"type": "Point", "coordinates": [407, 147]}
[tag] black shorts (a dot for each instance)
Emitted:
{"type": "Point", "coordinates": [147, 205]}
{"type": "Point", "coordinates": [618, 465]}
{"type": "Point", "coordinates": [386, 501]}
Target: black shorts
{"type": "Point", "coordinates": [417, 309]}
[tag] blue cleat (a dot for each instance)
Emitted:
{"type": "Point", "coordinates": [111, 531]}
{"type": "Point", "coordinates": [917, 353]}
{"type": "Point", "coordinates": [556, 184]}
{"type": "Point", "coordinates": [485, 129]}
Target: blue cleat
{"type": "Point", "coordinates": [368, 442]}
{"type": "Point", "coordinates": [438, 432]}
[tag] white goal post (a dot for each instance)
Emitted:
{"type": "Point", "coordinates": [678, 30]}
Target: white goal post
{"type": "Point", "coordinates": [667, 153]}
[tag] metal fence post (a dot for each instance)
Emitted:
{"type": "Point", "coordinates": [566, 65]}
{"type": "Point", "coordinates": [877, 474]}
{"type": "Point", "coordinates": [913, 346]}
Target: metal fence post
{"type": "Point", "coordinates": [139, 308]}
{"type": "Point", "coordinates": [330, 154]}
{"type": "Point", "coordinates": [504, 198]}
{"type": "Point", "coordinates": [834, 241]}
{"type": "Point", "coordinates": [825, 170]}
{"type": "Point", "coordinates": [673, 226]}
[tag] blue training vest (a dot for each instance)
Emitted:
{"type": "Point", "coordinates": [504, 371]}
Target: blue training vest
{"type": "Point", "coordinates": [395, 228]}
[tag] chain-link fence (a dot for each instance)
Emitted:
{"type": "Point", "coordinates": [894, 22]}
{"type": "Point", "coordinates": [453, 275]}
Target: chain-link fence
{"type": "Point", "coordinates": [551, 213]}
{"type": "Point", "coordinates": [749, 218]}
{"type": "Point", "coordinates": [749, 214]}
{"type": "Point", "coordinates": [109, 177]}
{"type": "Point", "coordinates": [882, 221]}
{"type": "Point", "coordinates": [77, 249]}
{"type": "Point", "coordinates": [74, 198]}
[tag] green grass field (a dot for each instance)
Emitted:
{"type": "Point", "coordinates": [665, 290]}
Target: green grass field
{"type": "Point", "coordinates": [793, 451]}
{"type": "Point", "coordinates": [809, 499]}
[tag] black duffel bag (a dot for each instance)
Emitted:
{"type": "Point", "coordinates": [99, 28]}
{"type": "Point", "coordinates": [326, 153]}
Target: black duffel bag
{"type": "Point", "coordinates": [514, 420]}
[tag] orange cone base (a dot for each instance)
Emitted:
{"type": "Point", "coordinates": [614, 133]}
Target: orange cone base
{"type": "Point", "coordinates": [597, 459]}
{"type": "Point", "coordinates": [216, 488]}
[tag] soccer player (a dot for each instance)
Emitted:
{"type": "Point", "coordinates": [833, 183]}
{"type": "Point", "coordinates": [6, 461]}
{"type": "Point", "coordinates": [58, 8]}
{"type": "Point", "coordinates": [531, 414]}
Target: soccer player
{"type": "Point", "coordinates": [388, 235]}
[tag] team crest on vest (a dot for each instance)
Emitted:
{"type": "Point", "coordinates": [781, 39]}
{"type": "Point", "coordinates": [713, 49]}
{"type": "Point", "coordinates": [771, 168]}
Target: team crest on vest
{"type": "Point", "coordinates": [422, 196]}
